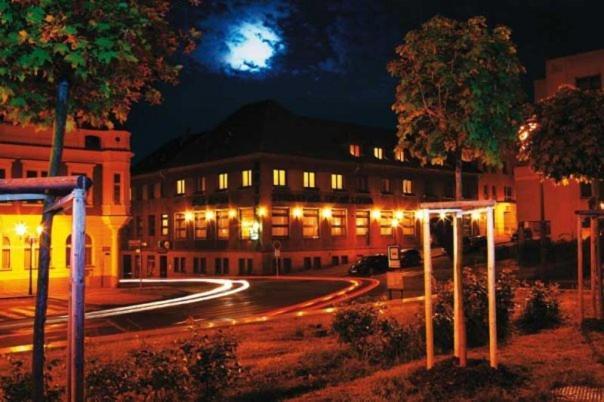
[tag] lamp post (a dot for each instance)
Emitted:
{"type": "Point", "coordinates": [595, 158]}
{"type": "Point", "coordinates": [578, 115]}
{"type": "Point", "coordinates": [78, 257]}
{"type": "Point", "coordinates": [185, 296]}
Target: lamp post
{"type": "Point", "coordinates": [21, 230]}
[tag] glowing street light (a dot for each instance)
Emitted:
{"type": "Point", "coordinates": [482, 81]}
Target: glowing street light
{"type": "Point", "coordinates": [297, 212]}
{"type": "Point", "coordinates": [39, 229]}
{"type": "Point", "coordinates": [394, 223]}
{"type": "Point", "coordinates": [189, 216]}
{"type": "Point", "coordinates": [232, 213]}
{"type": "Point", "coordinates": [326, 213]}
{"type": "Point", "coordinates": [210, 215]}
{"type": "Point", "coordinates": [399, 215]}
{"type": "Point", "coordinates": [21, 229]}
{"type": "Point", "coordinates": [261, 212]}
{"type": "Point", "coordinates": [376, 214]}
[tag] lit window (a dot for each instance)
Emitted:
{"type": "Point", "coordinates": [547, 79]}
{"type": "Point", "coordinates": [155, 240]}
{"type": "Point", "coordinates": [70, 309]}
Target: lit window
{"type": "Point", "coordinates": [310, 223]}
{"type": "Point", "coordinates": [222, 224]}
{"type": "Point", "coordinates": [5, 263]}
{"type": "Point", "coordinates": [246, 178]}
{"type": "Point", "coordinates": [201, 184]}
{"type": "Point", "coordinates": [362, 223]}
{"type": "Point", "coordinates": [408, 223]}
{"type": "Point", "coordinates": [309, 179]}
{"type": "Point", "coordinates": [399, 155]}
{"type": "Point", "coordinates": [180, 187]}
{"type": "Point", "coordinates": [386, 223]}
{"type": "Point", "coordinates": [246, 219]}
{"type": "Point", "coordinates": [338, 222]}
{"type": "Point", "coordinates": [386, 186]}
{"type": "Point", "coordinates": [407, 186]}
{"type": "Point", "coordinates": [336, 182]}
{"type": "Point", "coordinates": [223, 181]}
{"type": "Point", "coordinates": [180, 226]}
{"type": "Point", "coordinates": [355, 150]}
{"type": "Point", "coordinates": [165, 231]}
{"type": "Point", "coordinates": [279, 177]}
{"type": "Point", "coordinates": [378, 152]}
{"type": "Point", "coordinates": [200, 225]}
{"type": "Point", "coordinates": [280, 222]}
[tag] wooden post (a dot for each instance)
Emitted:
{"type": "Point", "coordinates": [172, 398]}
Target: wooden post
{"type": "Point", "coordinates": [491, 288]}
{"type": "Point", "coordinates": [580, 266]}
{"type": "Point", "coordinates": [428, 290]}
{"type": "Point", "coordinates": [459, 327]}
{"type": "Point", "coordinates": [593, 251]}
{"type": "Point", "coordinates": [75, 335]}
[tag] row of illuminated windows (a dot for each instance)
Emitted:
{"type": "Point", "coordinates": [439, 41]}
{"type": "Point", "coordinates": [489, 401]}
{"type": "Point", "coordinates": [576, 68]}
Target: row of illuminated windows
{"type": "Point", "coordinates": [196, 225]}
{"type": "Point", "coordinates": [377, 152]}
{"type": "Point", "coordinates": [31, 250]}
{"type": "Point", "coordinates": [308, 182]}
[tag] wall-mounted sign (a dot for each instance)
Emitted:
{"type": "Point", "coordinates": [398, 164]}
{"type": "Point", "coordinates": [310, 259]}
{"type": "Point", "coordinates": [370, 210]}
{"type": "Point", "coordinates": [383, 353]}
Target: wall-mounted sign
{"type": "Point", "coordinates": [394, 257]}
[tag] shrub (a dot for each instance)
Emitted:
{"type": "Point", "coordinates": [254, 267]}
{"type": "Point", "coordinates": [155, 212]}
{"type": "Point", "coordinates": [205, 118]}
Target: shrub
{"type": "Point", "coordinates": [197, 368]}
{"type": "Point", "coordinates": [377, 340]}
{"type": "Point", "coordinates": [541, 308]}
{"type": "Point", "coordinates": [476, 309]}
{"type": "Point", "coordinates": [18, 385]}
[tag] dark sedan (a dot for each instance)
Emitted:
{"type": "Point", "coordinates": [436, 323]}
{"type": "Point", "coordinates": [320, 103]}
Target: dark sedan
{"type": "Point", "coordinates": [378, 263]}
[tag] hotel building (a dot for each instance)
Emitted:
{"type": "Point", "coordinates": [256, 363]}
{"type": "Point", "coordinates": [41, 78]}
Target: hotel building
{"type": "Point", "coordinates": [321, 192]}
{"type": "Point", "coordinates": [104, 157]}
{"type": "Point", "coordinates": [560, 202]}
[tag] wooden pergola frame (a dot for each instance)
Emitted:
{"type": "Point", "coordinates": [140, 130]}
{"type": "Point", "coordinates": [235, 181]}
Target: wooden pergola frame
{"type": "Point", "coordinates": [457, 209]}
{"type": "Point", "coordinates": [67, 192]}
{"type": "Point", "coordinates": [594, 217]}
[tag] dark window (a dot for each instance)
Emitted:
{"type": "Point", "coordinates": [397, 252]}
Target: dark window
{"type": "Point", "coordinates": [494, 190]}
{"type": "Point", "coordinates": [485, 192]}
{"type": "Point", "coordinates": [180, 264]}
{"type": "Point", "coordinates": [87, 250]}
{"type": "Point", "coordinates": [344, 259]}
{"type": "Point", "coordinates": [287, 264]}
{"type": "Point", "coordinates": [585, 190]}
{"type": "Point", "coordinates": [92, 142]}
{"type": "Point", "coordinates": [386, 186]}
{"type": "Point", "coordinates": [242, 266]}
{"type": "Point", "coordinates": [362, 184]}
{"type": "Point", "coordinates": [589, 82]}
{"type": "Point", "coordinates": [250, 266]}
{"type": "Point", "coordinates": [31, 173]}
{"type": "Point", "coordinates": [225, 266]}
{"type": "Point", "coordinates": [151, 225]}
{"type": "Point", "coordinates": [335, 260]}
{"type": "Point", "coordinates": [150, 191]}
{"type": "Point", "coordinates": [117, 188]}
{"type": "Point", "coordinates": [2, 174]}
{"type": "Point", "coordinates": [307, 263]}
{"type": "Point", "coordinates": [138, 227]}
{"type": "Point", "coordinates": [217, 266]}
{"type": "Point", "coordinates": [316, 262]}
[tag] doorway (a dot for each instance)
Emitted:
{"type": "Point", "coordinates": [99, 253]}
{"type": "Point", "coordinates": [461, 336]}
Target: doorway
{"type": "Point", "coordinates": [126, 266]}
{"type": "Point", "coordinates": [163, 266]}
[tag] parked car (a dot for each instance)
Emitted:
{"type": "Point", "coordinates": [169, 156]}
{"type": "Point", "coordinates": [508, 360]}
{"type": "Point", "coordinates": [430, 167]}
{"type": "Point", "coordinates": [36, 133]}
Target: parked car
{"type": "Point", "coordinates": [410, 257]}
{"type": "Point", "coordinates": [369, 265]}
{"type": "Point", "coordinates": [528, 234]}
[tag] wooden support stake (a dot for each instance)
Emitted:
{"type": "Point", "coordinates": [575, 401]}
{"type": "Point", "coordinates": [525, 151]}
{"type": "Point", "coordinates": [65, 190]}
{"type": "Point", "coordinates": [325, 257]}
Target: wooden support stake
{"type": "Point", "coordinates": [428, 290]}
{"type": "Point", "coordinates": [458, 319]}
{"type": "Point", "coordinates": [491, 288]}
{"type": "Point", "coordinates": [593, 254]}
{"type": "Point", "coordinates": [580, 267]}
{"type": "Point", "coordinates": [75, 335]}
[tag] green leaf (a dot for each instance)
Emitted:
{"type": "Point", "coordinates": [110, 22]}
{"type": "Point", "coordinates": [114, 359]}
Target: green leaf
{"type": "Point", "coordinates": [76, 59]}
{"type": "Point", "coordinates": [60, 48]}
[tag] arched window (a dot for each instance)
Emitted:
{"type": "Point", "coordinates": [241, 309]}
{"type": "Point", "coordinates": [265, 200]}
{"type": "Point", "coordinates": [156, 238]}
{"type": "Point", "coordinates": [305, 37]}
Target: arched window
{"type": "Point", "coordinates": [88, 250]}
{"type": "Point", "coordinates": [5, 257]}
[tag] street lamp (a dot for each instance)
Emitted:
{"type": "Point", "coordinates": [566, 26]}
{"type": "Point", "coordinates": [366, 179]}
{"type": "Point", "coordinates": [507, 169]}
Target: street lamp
{"type": "Point", "coordinates": [21, 230]}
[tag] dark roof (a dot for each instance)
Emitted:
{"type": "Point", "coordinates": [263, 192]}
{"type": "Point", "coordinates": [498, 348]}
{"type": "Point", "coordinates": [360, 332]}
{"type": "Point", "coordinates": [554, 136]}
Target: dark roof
{"type": "Point", "coordinates": [267, 126]}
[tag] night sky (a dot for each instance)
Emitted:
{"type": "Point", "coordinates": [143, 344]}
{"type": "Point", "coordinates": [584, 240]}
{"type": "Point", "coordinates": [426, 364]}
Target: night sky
{"type": "Point", "coordinates": [327, 58]}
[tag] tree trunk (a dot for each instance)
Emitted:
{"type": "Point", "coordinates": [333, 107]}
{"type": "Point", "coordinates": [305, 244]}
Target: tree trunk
{"type": "Point", "coordinates": [45, 242]}
{"type": "Point", "coordinates": [458, 313]}
{"type": "Point", "coordinates": [596, 264]}
{"type": "Point", "coordinates": [542, 231]}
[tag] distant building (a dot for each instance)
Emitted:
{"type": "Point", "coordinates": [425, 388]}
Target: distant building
{"type": "Point", "coordinates": [322, 192]}
{"type": "Point", "coordinates": [584, 71]}
{"type": "Point", "coordinates": [103, 156]}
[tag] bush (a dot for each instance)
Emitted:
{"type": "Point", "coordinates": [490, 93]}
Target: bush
{"type": "Point", "coordinates": [541, 308]}
{"type": "Point", "coordinates": [377, 340]}
{"type": "Point", "coordinates": [18, 385]}
{"type": "Point", "coordinates": [197, 368]}
{"type": "Point", "coordinates": [476, 309]}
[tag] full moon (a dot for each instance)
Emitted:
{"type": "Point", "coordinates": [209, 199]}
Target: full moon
{"type": "Point", "coordinates": [251, 46]}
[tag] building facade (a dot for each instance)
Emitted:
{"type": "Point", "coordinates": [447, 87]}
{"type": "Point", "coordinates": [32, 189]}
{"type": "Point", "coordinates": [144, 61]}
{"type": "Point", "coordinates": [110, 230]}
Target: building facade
{"type": "Point", "coordinates": [104, 157]}
{"type": "Point", "coordinates": [560, 202]}
{"type": "Point", "coordinates": [319, 192]}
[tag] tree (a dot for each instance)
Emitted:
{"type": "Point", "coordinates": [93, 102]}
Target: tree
{"type": "Point", "coordinates": [563, 139]}
{"type": "Point", "coordinates": [458, 99]}
{"type": "Point", "coordinates": [66, 63]}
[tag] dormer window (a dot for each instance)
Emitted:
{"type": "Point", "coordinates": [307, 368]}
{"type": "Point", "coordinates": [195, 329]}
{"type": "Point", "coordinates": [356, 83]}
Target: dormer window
{"type": "Point", "coordinates": [399, 155]}
{"type": "Point", "coordinates": [355, 150]}
{"type": "Point", "coordinates": [378, 152]}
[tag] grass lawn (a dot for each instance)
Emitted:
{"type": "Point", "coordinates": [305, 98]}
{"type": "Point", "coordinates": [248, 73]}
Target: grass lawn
{"type": "Point", "coordinates": [300, 359]}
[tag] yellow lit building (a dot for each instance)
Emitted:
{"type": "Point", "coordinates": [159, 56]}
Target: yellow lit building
{"type": "Point", "coordinates": [103, 156]}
